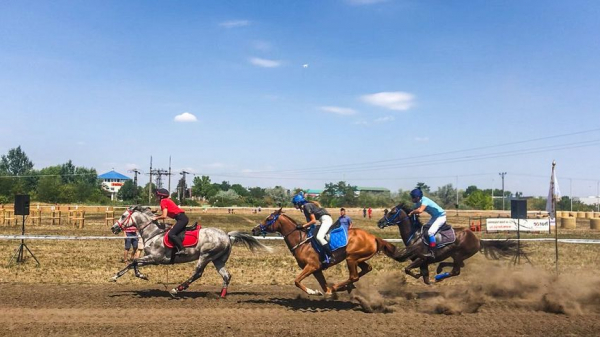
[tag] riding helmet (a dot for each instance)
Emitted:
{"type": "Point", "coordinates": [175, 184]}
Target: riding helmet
{"type": "Point", "coordinates": [416, 193]}
{"type": "Point", "coordinates": [299, 199]}
{"type": "Point", "coordinates": [162, 192]}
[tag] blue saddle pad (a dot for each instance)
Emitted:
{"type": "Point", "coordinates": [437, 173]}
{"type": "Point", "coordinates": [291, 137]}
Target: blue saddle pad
{"type": "Point", "coordinates": [338, 238]}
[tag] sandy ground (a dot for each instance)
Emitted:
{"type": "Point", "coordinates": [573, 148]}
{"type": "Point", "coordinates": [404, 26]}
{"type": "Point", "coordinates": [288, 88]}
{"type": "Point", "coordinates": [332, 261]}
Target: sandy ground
{"type": "Point", "coordinates": [132, 310]}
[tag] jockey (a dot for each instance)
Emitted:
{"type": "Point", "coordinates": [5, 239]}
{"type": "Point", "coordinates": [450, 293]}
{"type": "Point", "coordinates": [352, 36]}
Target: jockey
{"type": "Point", "coordinates": [438, 215]}
{"type": "Point", "coordinates": [313, 213]}
{"type": "Point", "coordinates": [169, 209]}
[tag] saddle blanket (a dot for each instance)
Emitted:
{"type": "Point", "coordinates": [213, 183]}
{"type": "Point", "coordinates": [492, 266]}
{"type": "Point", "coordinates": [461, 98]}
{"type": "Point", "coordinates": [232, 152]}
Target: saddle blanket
{"type": "Point", "coordinates": [337, 237]}
{"type": "Point", "coordinates": [443, 237]}
{"type": "Point", "coordinates": [189, 240]}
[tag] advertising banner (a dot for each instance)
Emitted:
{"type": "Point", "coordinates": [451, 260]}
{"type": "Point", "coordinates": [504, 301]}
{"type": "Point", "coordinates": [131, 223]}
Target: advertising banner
{"type": "Point", "coordinates": [529, 225]}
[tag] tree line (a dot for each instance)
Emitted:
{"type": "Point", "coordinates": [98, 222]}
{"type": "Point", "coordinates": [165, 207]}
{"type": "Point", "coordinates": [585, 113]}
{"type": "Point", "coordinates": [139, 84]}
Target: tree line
{"type": "Point", "coordinates": [67, 183]}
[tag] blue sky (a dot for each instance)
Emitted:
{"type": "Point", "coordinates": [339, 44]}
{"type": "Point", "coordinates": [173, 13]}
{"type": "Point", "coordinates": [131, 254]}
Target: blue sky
{"type": "Point", "coordinates": [301, 93]}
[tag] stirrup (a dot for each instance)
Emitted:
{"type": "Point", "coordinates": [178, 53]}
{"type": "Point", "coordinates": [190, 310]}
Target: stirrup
{"type": "Point", "coordinates": [180, 252]}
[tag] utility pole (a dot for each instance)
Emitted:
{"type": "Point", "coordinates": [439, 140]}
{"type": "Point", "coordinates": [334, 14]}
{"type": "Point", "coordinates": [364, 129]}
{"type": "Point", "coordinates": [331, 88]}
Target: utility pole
{"type": "Point", "coordinates": [183, 173]}
{"type": "Point", "coordinates": [456, 195]}
{"type": "Point", "coordinates": [169, 173]}
{"type": "Point", "coordinates": [502, 174]}
{"type": "Point", "coordinates": [598, 196]}
{"type": "Point", "coordinates": [571, 192]}
{"type": "Point", "coordinates": [150, 183]}
{"type": "Point", "coordinates": [135, 180]}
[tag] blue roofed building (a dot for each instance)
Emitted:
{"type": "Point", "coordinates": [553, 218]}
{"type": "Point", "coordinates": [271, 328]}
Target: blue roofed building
{"type": "Point", "coordinates": [112, 182]}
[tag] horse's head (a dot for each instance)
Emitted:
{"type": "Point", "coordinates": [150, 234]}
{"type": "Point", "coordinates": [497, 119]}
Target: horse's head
{"type": "Point", "coordinates": [394, 217]}
{"type": "Point", "coordinates": [269, 225]}
{"type": "Point", "coordinates": [127, 219]}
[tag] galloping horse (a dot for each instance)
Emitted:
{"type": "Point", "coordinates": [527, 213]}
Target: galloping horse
{"type": "Point", "coordinates": [465, 246]}
{"type": "Point", "coordinates": [361, 247]}
{"type": "Point", "coordinates": [213, 245]}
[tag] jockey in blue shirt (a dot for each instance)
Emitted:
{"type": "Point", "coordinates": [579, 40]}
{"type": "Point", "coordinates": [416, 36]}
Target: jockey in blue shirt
{"type": "Point", "coordinates": [438, 215]}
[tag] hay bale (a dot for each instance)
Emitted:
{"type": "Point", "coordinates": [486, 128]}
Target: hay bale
{"type": "Point", "coordinates": [595, 223]}
{"type": "Point", "coordinates": [568, 223]}
{"type": "Point", "coordinates": [581, 215]}
{"type": "Point", "coordinates": [559, 214]}
{"type": "Point", "coordinates": [572, 214]}
{"type": "Point", "coordinates": [589, 215]}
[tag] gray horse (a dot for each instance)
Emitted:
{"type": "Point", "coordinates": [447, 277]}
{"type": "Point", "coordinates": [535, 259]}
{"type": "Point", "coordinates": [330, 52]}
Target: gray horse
{"type": "Point", "coordinates": [213, 245]}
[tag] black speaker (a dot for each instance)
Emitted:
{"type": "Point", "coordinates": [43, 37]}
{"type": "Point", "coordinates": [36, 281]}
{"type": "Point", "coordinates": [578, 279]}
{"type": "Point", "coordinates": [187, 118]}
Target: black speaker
{"type": "Point", "coordinates": [22, 204]}
{"type": "Point", "coordinates": [518, 209]}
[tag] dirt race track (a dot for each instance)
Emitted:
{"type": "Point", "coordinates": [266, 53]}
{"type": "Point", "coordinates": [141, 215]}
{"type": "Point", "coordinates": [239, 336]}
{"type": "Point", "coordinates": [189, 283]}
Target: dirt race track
{"type": "Point", "coordinates": [117, 309]}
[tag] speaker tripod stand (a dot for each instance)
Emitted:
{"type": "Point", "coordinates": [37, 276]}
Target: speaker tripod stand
{"type": "Point", "coordinates": [19, 255]}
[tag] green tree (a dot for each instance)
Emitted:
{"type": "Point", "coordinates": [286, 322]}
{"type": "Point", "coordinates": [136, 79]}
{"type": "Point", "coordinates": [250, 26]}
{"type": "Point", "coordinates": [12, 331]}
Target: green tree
{"type": "Point", "coordinates": [130, 193]}
{"type": "Point", "coordinates": [15, 162]}
{"type": "Point", "coordinates": [424, 187]}
{"type": "Point", "coordinates": [203, 187]}
{"type": "Point", "coordinates": [340, 194]}
{"type": "Point", "coordinates": [277, 195]}
{"type": "Point", "coordinates": [225, 198]}
{"type": "Point", "coordinates": [447, 196]}
{"type": "Point", "coordinates": [479, 200]}
{"type": "Point", "coordinates": [240, 190]}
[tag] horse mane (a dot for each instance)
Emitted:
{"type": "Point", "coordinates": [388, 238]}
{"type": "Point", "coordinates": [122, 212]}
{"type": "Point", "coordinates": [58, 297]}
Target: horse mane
{"type": "Point", "coordinates": [291, 219]}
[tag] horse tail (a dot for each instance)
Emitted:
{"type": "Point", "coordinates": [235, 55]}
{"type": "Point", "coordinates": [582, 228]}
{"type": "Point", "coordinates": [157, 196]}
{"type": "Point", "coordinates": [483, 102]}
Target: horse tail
{"type": "Point", "coordinates": [247, 240]}
{"type": "Point", "coordinates": [496, 250]}
{"type": "Point", "coordinates": [387, 248]}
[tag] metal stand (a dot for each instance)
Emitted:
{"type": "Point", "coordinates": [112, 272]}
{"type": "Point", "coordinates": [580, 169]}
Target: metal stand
{"type": "Point", "coordinates": [19, 255]}
{"type": "Point", "coordinates": [517, 257]}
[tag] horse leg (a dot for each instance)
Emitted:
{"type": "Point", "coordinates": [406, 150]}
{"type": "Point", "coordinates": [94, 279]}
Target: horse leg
{"type": "Point", "coordinates": [425, 272]}
{"type": "Point", "coordinates": [352, 277]}
{"type": "Point", "coordinates": [416, 263]}
{"type": "Point", "coordinates": [220, 266]}
{"type": "Point", "coordinates": [306, 272]}
{"type": "Point", "coordinates": [202, 262]}
{"type": "Point", "coordinates": [134, 264]}
{"type": "Point", "coordinates": [321, 279]}
{"type": "Point", "coordinates": [364, 268]}
{"type": "Point", "coordinates": [455, 271]}
{"type": "Point", "coordinates": [443, 265]}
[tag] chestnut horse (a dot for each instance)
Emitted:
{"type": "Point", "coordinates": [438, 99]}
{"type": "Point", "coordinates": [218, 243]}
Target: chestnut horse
{"type": "Point", "coordinates": [361, 247]}
{"type": "Point", "coordinates": [465, 246]}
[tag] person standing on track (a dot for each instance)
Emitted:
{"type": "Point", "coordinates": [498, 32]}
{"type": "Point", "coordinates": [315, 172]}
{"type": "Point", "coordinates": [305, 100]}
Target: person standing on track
{"type": "Point", "coordinates": [169, 209]}
{"type": "Point", "coordinates": [438, 215]}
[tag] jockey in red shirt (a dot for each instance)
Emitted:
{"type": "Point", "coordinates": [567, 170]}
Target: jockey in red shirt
{"type": "Point", "coordinates": [169, 209]}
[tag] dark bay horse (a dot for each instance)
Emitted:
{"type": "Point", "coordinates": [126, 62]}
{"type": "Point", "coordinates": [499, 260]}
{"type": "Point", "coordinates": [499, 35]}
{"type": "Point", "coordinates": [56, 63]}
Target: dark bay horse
{"type": "Point", "coordinates": [361, 247]}
{"type": "Point", "coordinates": [213, 245]}
{"type": "Point", "coordinates": [465, 246]}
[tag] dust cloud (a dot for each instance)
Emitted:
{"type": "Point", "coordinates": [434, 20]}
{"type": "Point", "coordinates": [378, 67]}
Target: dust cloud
{"type": "Point", "coordinates": [521, 288]}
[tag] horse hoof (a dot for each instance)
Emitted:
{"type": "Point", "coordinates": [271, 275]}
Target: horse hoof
{"type": "Point", "coordinates": [113, 279]}
{"type": "Point", "coordinates": [314, 292]}
{"type": "Point", "coordinates": [173, 292]}
{"type": "Point", "coordinates": [143, 277]}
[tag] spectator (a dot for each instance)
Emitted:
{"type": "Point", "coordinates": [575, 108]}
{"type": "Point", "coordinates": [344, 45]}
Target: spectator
{"type": "Point", "coordinates": [370, 211]}
{"type": "Point", "coordinates": [344, 219]}
{"type": "Point", "coordinates": [364, 212]}
{"type": "Point", "coordinates": [131, 240]}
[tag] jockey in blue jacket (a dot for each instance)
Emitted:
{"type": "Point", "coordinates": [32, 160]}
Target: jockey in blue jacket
{"type": "Point", "coordinates": [438, 215]}
{"type": "Point", "coordinates": [314, 212]}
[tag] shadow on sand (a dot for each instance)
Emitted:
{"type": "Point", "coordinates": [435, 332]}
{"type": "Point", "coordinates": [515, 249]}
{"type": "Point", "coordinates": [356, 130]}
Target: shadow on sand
{"type": "Point", "coordinates": [309, 305]}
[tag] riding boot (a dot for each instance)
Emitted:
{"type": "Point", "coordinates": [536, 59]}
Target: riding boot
{"type": "Point", "coordinates": [432, 245]}
{"type": "Point", "coordinates": [177, 245]}
{"type": "Point", "coordinates": [327, 250]}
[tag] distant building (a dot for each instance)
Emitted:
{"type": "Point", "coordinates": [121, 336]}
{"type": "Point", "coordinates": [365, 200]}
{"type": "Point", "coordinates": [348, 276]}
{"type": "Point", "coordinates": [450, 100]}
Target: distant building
{"type": "Point", "coordinates": [112, 182]}
{"type": "Point", "coordinates": [374, 190]}
{"type": "Point", "coordinates": [313, 193]}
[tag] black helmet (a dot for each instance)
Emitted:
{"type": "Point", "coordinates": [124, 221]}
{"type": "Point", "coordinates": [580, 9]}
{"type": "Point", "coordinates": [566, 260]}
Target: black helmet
{"type": "Point", "coordinates": [162, 192]}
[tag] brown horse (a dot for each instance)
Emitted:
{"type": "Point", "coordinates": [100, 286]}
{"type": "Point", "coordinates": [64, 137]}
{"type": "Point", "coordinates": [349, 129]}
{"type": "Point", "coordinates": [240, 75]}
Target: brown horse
{"type": "Point", "coordinates": [361, 247]}
{"type": "Point", "coordinates": [465, 246]}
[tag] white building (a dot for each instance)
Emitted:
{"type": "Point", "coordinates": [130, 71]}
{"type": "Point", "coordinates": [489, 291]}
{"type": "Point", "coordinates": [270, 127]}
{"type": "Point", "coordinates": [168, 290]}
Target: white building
{"type": "Point", "coordinates": [112, 182]}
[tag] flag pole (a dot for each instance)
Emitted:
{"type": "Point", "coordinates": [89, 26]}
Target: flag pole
{"type": "Point", "coordinates": [552, 188]}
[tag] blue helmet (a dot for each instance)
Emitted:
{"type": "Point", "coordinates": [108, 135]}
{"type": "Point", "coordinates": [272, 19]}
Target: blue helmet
{"type": "Point", "coordinates": [299, 199]}
{"type": "Point", "coordinates": [416, 193]}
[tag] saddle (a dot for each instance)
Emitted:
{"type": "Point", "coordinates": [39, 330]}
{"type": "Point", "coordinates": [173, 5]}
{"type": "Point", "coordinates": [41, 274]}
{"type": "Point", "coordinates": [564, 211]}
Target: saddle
{"type": "Point", "coordinates": [443, 237]}
{"type": "Point", "coordinates": [337, 236]}
{"type": "Point", "coordinates": [189, 236]}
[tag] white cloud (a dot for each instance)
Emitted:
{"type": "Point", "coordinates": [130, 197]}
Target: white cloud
{"type": "Point", "coordinates": [361, 123]}
{"type": "Point", "coordinates": [422, 139]}
{"type": "Point", "coordinates": [186, 117]}
{"type": "Point", "coordinates": [393, 100]}
{"type": "Point", "coordinates": [265, 63]}
{"type": "Point", "coordinates": [384, 119]}
{"type": "Point", "coordinates": [338, 110]}
{"type": "Point", "coordinates": [262, 45]}
{"type": "Point", "coordinates": [234, 23]}
{"type": "Point", "coordinates": [364, 2]}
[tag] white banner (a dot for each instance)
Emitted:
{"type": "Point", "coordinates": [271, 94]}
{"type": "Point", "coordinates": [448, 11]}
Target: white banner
{"type": "Point", "coordinates": [529, 225]}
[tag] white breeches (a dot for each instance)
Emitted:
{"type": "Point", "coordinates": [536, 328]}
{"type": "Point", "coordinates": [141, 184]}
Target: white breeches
{"type": "Point", "coordinates": [326, 223]}
{"type": "Point", "coordinates": [435, 223]}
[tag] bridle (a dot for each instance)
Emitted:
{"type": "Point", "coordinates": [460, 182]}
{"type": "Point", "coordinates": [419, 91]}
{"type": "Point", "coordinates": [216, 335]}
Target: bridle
{"type": "Point", "coordinates": [123, 224]}
{"type": "Point", "coordinates": [268, 227]}
{"type": "Point", "coordinates": [395, 221]}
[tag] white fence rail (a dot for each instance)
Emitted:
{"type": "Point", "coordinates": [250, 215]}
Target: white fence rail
{"type": "Point", "coordinates": [59, 237]}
